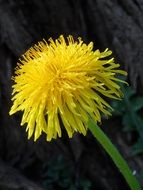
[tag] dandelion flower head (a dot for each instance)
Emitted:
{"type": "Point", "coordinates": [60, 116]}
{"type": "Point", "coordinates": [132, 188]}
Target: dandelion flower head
{"type": "Point", "coordinates": [63, 83]}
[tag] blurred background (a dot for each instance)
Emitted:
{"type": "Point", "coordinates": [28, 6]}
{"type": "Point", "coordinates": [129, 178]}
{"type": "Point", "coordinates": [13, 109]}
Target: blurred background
{"type": "Point", "coordinates": [79, 163]}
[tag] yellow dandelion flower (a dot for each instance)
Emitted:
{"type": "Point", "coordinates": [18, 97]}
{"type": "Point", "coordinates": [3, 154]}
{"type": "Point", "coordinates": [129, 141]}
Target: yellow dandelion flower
{"type": "Point", "coordinates": [63, 82]}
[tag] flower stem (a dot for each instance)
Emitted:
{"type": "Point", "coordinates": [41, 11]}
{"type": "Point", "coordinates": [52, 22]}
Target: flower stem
{"type": "Point", "coordinates": [115, 155]}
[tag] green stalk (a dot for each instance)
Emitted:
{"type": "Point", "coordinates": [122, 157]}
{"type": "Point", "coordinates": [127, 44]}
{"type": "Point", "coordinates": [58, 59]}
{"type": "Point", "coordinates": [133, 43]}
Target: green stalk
{"type": "Point", "coordinates": [115, 155]}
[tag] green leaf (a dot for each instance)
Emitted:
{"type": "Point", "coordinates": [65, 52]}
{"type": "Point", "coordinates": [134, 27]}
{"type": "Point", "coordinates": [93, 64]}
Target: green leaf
{"type": "Point", "coordinates": [129, 91]}
{"type": "Point", "coordinates": [72, 187]}
{"type": "Point", "coordinates": [85, 184]}
{"type": "Point", "coordinates": [127, 122]}
{"type": "Point", "coordinates": [138, 147]}
{"type": "Point", "coordinates": [118, 107]}
{"type": "Point", "coordinates": [137, 103]}
{"type": "Point", "coordinates": [138, 121]}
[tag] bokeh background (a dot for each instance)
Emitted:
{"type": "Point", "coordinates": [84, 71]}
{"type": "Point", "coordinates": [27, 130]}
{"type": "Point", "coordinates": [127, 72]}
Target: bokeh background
{"type": "Point", "coordinates": [79, 163]}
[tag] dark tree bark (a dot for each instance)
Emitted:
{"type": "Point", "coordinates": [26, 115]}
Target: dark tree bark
{"type": "Point", "coordinates": [119, 25]}
{"type": "Point", "coordinates": [114, 24]}
{"type": "Point", "coordinates": [10, 179]}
